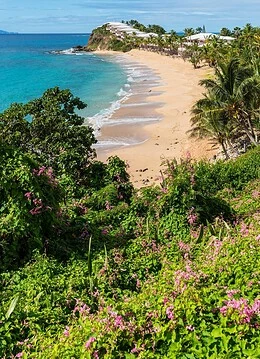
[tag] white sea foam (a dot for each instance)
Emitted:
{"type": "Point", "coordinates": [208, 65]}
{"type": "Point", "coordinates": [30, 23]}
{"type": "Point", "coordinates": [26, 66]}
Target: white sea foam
{"type": "Point", "coordinates": [103, 117]}
{"type": "Point", "coordinates": [138, 78]}
{"type": "Point", "coordinates": [136, 104]}
{"type": "Point", "coordinates": [115, 142]}
{"type": "Point", "coordinates": [70, 51]}
{"type": "Point", "coordinates": [122, 93]}
{"type": "Point", "coordinates": [131, 120]}
{"type": "Point", "coordinates": [130, 79]}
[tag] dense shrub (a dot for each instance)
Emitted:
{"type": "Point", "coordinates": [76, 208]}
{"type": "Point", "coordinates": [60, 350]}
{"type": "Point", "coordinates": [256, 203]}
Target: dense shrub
{"type": "Point", "coordinates": [233, 174]}
{"type": "Point", "coordinates": [169, 271]}
{"type": "Point", "coordinates": [196, 298]}
{"type": "Point", "coordinates": [29, 203]}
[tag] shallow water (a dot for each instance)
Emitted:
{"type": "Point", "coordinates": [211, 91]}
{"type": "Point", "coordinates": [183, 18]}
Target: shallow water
{"type": "Point", "coordinates": [28, 68]}
{"type": "Point", "coordinates": [29, 65]}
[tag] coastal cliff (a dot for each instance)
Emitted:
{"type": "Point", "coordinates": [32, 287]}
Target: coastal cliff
{"type": "Point", "coordinates": [104, 38]}
{"type": "Point", "coordinates": [123, 36]}
{"type": "Point", "coordinates": [100, 39]}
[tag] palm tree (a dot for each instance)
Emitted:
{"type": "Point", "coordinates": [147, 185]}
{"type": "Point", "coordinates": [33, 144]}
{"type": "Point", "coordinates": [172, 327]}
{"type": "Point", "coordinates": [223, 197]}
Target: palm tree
{"type": "Point", "coordinates": [231, 105]}
{"type": "Point", "coordinates": [188, 31]}
{"type": "Point", "coordinates": [209, 122]}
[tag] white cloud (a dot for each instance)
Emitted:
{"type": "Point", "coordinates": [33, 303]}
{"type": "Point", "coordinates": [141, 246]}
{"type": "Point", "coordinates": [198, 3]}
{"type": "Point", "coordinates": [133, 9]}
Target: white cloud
{"type": "Point", "coordinates": [83, 15]}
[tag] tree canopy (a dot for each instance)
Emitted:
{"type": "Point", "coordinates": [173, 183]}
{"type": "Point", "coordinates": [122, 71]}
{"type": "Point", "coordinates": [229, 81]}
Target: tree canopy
{"type": "Point", "coordinates": [51, 130]}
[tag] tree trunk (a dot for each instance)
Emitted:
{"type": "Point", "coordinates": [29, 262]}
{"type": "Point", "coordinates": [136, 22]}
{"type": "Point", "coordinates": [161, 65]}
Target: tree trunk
{"type": "Point", "coordinates": [222, 142]}
{"type": "Point", "coordinates": [248, 128]}
{"type": "Point", "coordinates": [232, 147]}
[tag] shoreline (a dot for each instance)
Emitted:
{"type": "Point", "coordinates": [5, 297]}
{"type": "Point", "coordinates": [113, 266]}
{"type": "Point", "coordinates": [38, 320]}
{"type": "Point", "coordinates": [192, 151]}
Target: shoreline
{"type": "Point", "coordinates": [166, 138]}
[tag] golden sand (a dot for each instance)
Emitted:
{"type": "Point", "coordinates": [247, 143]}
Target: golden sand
{"type": "Point", "coordinates": [168, 138]}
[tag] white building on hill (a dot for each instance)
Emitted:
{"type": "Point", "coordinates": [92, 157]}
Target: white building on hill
{"type": "Point", "coordinates": [121, 30]}
{"type": "Point", "coordinates": [202, 37]}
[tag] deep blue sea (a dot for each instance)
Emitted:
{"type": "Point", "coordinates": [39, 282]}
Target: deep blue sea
{"type": "Point", "coordinates": [28, 68]}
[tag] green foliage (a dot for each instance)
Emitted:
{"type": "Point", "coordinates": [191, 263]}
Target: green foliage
{"type": "Point", "coordinates": [102, 271]}
{"type": "Point", "coordinates": [29, 202]}
{"type": "Point", "coordinates": [55, 136]}
{"type": "Point", "coordinates": [189, 31]}
{"type": "Point", "coordinates": [119, 45]}
{"type": "Point", "coordinates": [156, 29]}
{"type": "Point", "coordinates": [192, 299]}
{"type": "Point", "coordinates": [225, 32]}
{"type": "Point", "coordinates": [233, 174]}
{"type": "Point", "coordinates": [229, 111]}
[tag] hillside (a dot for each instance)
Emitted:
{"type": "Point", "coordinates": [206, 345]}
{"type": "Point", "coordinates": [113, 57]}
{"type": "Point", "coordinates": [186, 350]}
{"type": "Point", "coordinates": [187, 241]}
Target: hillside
{"type": "Point", "coordinates": [170, 272]}
{"type": "Point", "coordinates": [100, 39]}
{"type": "Point", "coordinates": [103, 39]}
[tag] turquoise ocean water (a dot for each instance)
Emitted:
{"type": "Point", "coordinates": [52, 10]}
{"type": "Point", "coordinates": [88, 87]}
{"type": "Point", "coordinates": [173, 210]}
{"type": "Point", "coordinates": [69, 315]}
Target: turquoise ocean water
{"type": "Point", "coordinates": [28, 67]}
{"type": "Point", "coordinates": [32, 63]}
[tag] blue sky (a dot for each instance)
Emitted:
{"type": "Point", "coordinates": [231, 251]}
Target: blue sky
{"type": "Point", "coordinates": [84, 15]}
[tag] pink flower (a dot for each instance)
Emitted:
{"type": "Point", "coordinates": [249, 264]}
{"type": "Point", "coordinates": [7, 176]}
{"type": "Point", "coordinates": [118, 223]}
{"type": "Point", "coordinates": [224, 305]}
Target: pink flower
{"type": "Point", "coordinates": [169, 312]}
{"type": "Point", "coordinates": [242, 308]}
{"type": "Point", "coordinates": [138, 284]}
{"type": "Point", "coordinates": [135, 350]}
{"type": "Point", "coordinates": [188, 155]}
{"type": "Point", "coordinates": [184, 247]}
{"type": "Point", "coordinates": [190, 328]}
{"type": "Point", "coordinates": [244, 230]}
{"type": "Point", "coordinates": [66, 332]}
{"type": "Point", "coordinates": [108, 206]}
{"type": "Point", "coordinates": [89, 342]}
{"type": "Point", "coordinates": [28, 195]}
{"type": "Point", "coordinates": [232, 292]}
{"type": "Point", "coordinates": [192, 217]}
{"type": "Point", "coordinates": [41, 170]}
{"type": "Point", "coordinates": [19, 355]}
{"type": "Point", "coordinates": [255, 194]}
{"type": "Point", "coordinates": [165, 300]}
{"type": "Point", "coordinates": [95, 355]}
{"type": "Point", "coordinates": [36, 210]}
{"type": "Point", "coordinates": [118, 321]}
{"type": "Point", "coordinates": [192, 180]}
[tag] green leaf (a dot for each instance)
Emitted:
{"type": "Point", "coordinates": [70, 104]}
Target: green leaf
{"type": "Point", "coordinates": [11, 307]}
{"type": "Point", "coordinates": [201, 233]}
{"type": "Point", "coordinates": [217, 332]}
{"type": "Point", "coordinates": [130, 356]}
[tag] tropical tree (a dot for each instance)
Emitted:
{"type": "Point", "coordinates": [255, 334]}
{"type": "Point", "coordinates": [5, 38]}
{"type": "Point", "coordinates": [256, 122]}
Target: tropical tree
{"type": "Point", "coordinates": [225, 32]}
{"type": "Point", "coordinates": [157, 29]}
{"type": "Point", "coordinates": [231, 105]}
{"type": "Point", "coordinates": [209, 122]}
{"type": "Point", "coordinates": [50, 129]}
{"type": "Point", "coordinates": [214, 50]}
{"type": "Point", "coordinates": [188, 31]}
{"type": "Point", "coordinates": [236, 31]}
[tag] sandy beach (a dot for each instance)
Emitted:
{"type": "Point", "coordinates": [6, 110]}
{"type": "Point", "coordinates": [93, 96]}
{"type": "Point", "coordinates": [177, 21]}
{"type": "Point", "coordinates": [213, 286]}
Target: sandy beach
{"type": "Point", "coordinates": [171, 101]}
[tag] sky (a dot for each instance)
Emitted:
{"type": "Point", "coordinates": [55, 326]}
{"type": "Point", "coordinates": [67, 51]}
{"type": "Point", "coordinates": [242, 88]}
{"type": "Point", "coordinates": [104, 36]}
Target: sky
{"type": "Point", "coordinates": [81, 16]}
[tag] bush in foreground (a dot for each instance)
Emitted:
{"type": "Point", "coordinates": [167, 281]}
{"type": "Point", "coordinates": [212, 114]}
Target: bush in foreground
{"type": "Point", "coordinates": [177, 277]}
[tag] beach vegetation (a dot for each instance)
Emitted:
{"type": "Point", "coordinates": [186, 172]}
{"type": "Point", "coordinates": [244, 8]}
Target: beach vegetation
{"type": "Point", "coordinates": [225, 32]}
{"type": "Point", "coordinates": [99, 270]}
{"type": "Point", "coordinates": [229, 110]}
{"type": "Point", "coordinates": [188, 31]}
{"type": "Point", "coordinates": [51, 131]}
{"type": "Point", "coordinates": [157, 29]}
